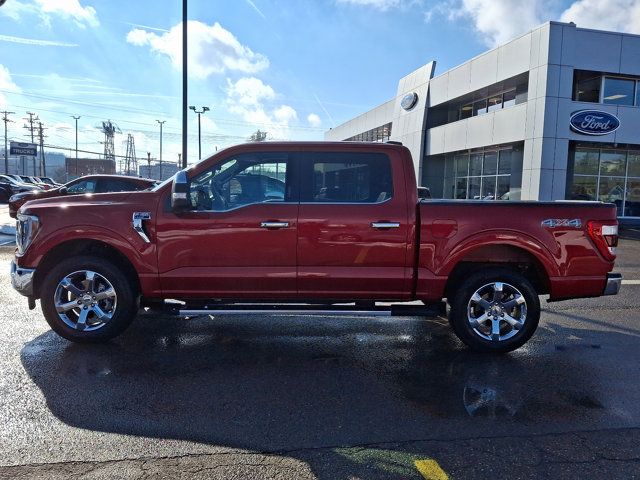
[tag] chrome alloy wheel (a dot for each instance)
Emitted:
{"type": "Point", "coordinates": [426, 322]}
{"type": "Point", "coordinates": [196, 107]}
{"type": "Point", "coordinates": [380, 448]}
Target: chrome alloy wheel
{"type": "Point", "coordinates": [85, 300]}
{"type": "Point", "coordinates": [497, 311]}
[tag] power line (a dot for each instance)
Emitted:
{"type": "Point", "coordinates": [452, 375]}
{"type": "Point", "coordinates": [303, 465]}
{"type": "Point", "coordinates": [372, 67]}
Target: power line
{"type": "Point", "coordinates": [144, 111]}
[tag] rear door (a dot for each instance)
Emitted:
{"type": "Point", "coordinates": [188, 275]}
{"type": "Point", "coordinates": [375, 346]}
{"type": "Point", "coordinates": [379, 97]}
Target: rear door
{"type": "Point", "coordinates": [352, 227]}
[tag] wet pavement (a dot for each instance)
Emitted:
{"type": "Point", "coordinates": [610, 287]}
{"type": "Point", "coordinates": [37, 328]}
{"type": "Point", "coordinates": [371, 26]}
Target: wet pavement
{"type": "Point", "coordinates": [328, 398]}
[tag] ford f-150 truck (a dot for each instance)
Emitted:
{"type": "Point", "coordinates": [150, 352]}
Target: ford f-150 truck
{"type": "Point", "coordinates": [329, 228]}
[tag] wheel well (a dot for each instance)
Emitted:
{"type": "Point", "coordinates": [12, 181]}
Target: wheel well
{"type": "Point", "coordinates": [95, 248]}
{"type": "Point", "coordinates": [504, 256]}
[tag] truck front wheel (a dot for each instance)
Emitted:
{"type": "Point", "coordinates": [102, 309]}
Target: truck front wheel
{"type": "Point", "coordinates": [495, 310]}
{"type": "Point", "coordinates": [88, 299]}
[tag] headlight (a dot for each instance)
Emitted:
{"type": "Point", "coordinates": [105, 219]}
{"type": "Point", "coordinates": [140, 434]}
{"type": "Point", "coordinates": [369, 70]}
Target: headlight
{"type": "Point", "coordinates": [26, 229]}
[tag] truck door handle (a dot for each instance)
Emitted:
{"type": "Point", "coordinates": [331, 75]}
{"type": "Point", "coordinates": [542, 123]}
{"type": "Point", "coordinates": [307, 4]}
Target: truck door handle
{"type": "Point", "coordinates": [274, 224]}
{"type": "Point", "coordinates": [382, 225]}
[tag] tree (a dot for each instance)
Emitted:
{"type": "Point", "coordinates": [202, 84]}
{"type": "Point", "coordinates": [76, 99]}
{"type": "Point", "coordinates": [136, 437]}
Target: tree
{"type": "Point", "coordinates": [258, 136]}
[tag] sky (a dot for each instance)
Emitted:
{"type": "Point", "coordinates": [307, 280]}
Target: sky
{"type": "Point", "coordinates": [292, 68]}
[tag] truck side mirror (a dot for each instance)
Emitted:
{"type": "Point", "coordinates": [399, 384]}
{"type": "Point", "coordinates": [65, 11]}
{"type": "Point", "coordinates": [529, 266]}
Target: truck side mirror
{"type": "Point", "coordinates": [180, 200]}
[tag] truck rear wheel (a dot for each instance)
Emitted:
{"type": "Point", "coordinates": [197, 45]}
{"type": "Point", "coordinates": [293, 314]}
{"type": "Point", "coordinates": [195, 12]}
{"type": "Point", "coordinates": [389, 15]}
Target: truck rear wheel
{"type": "Point", "coordinates": [495, 310]}
{"type": "Point", "coordinates": [88, 299]}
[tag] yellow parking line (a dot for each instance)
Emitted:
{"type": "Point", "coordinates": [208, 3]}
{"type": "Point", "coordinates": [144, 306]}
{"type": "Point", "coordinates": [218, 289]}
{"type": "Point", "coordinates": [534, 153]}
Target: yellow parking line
{"type": "Point", "coordinates": [430, 469]}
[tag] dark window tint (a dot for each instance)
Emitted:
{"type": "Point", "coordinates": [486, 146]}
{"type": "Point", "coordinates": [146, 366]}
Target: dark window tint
{"type": "Point", "coordinates": [349, 178]}
{"type": "Point", "coordinates": [480, 107]}
{"type": "Point", "coordinates": [117, 185]}
{"type": "Point", "coordinates": [586, 86]}
{"type": "Point", "coordinates": [85, 186]}
{"type": "Point", "coordinates": [509, 98]}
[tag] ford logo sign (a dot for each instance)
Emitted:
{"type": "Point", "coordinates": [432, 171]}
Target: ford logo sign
{"type": "Point", "coordinates": [594, 122]}
{"type": "Point", "coordinates": [409, 101]}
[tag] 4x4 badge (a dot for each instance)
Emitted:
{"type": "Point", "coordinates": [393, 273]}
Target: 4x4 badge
{"type": "Point", "coordinates": [561, 222]}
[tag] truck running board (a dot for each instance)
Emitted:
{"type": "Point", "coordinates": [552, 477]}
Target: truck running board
{"type": "Point", "coordinates": [429, 310]}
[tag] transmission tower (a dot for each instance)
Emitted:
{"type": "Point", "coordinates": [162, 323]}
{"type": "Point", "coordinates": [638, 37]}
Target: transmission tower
{"type": "Point", "coordinates": [109, 129]}
{"type": "Point", "coordinates": [130, 162]}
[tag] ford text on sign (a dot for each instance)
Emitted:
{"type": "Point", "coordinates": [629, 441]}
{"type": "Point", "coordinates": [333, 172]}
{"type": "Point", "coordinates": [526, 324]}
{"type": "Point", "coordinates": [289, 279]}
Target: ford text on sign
{"type": "Point", "coordinates": [594, 122]}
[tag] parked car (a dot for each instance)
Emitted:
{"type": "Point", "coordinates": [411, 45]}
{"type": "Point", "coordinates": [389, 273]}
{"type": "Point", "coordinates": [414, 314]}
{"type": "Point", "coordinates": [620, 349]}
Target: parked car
{"type": "Point", "coordinates": [10, 186]}
{"type": "Point", "coordinates": [317, 225]}
{"type": "Point", "coordinates": [49, 181]}
{"type": "Point", "coordinates": [87, 184]}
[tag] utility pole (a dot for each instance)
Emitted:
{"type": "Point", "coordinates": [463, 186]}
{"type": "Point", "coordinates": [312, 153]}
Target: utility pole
{"type": "Point", "coordinates": [184, 84]}
{"type": "Point", "coordinates": [5, 119]}
{"type": "Point", "coordinates": [33, 118]}
{"type": "Point", "coordinates": [179, 161]}
{"type": "Point", "coordinates": [76, 119]}
{"type": "Point", "coordinates": [43, 167]}
{"type": "Point", "coordinates": [204, 109]}
{"type": "Point", "coordinates": [161, 123]}
{"type": "Point", "coordinates": [149, 163]}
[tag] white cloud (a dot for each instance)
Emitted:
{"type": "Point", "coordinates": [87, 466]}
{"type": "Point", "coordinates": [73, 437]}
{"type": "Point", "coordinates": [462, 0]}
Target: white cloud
{"type": "Point", "coordinates": [249, 91]}
{"type": "Point", "coordinates": [212, 49]}
{"type": "Point", "coordinates": [46, 9]}
{"type": "Point", "coordinates": [498, 21]}
{"type": "Point", "coordinates": [70, 9]}
{"type": "Point", "coordinates": [377, 4]}
{"type": "Point", "coordinates": [6, 85]}
{"type": "Point", "coordinates": [314, 120]}
{"type": "Point", "coordinates": [247, 98]}
{"type": "Point", "coordinates": [617, 15]}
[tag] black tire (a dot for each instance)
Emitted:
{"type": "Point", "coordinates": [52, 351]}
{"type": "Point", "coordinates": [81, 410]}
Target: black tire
{"type": "Point", "coordinates": [484, 281]}
{"type": "Point", "coordinates": [126, 306]}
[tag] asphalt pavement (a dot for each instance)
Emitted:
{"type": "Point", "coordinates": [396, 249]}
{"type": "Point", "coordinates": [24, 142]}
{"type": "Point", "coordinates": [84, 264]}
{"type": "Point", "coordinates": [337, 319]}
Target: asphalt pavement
{"type": "Point", "coordinates": [328, 398]}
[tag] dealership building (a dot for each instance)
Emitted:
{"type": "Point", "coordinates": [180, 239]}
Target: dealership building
{"type": "Point", "coordinates": [553, 114]}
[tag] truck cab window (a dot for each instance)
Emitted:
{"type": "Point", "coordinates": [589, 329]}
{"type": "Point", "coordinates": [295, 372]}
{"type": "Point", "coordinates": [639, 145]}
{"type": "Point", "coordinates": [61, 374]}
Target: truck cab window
{"type": "Point", "coordinates": [241, 181]}
{"type": "Point", "coordinates": [348, 178]}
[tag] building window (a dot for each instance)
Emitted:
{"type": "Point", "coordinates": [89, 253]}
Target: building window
{"type": "Point", "coordinates": [606, 174]}
{"type": "Point", "coordinates": [483, 175]}
{"type": "Point", "coordinates": [587, 86]}
{"type": "Point", "coordinates": [378, 134]}
{"type": "Point", "coordinates": [619, 91]}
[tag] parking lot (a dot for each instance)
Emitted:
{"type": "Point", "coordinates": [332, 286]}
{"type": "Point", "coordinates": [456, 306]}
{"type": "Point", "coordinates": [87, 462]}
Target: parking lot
{"type": "Point", "coordinates": [327, 398]}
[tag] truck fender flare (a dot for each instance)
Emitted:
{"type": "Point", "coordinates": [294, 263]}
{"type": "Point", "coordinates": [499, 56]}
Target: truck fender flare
{"type": "Point", "coordinates": [93, 233]}
{"type": "Point", "coordinates": [498, 238]}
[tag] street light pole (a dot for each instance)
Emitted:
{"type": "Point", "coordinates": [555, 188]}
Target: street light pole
{"type": "Point", "coordinates": [76, 119]}
{"type": "Point", "coordinates": [204, 109]}
{"type": "Point", "coordinates": [160, 166]}
{"type": "Point", "coordinates": [184, 84]}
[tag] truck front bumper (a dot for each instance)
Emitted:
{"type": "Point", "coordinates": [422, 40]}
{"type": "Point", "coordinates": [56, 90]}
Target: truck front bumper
{"type": "Point", "coordinates": [614, 280]}
{"type": "Point", "coordinates": [22, 279]}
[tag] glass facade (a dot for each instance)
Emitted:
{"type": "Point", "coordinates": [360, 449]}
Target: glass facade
{"type": "Point", "coordinates": [378, 134]}
{"type": "Point", "coordinates": [493, 173]}
{"type": "Point", "coordinates": [606, 174]}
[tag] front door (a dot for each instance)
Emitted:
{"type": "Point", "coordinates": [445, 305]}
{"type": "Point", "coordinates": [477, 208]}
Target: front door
{"type": "Point", "coordinates": [239, 240]}
{"type": "Point", "coordinates": [353, 228]}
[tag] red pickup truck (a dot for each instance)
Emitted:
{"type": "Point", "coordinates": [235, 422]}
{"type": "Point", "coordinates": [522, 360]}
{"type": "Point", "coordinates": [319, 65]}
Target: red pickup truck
{"type": "Point", "coordinates": [315, 228]}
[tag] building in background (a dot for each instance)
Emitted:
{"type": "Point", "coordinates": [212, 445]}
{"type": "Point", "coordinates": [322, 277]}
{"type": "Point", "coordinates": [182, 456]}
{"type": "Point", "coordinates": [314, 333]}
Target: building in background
{"type": "Point", "coordinates": [88, 166]}
{"type": "Point", "coordinates": [553, 114]}
{"type": "Point", "coordinates": [168, 170]}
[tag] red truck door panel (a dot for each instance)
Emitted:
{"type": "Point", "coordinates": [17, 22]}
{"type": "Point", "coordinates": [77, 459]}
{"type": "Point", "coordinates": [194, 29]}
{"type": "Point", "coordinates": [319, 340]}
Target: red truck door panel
{"type": "Point", "coordinates": [352, 228]}
{"type": "Point", "coordinates": [240, 239]}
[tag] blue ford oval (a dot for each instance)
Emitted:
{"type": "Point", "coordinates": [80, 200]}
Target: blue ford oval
{"type": "Point", "coordinates": [594, 122]}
